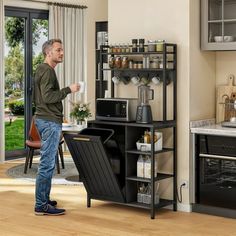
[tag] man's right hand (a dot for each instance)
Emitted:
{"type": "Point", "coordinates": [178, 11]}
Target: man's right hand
{"type": "Point", "coordinates": [74, 88]}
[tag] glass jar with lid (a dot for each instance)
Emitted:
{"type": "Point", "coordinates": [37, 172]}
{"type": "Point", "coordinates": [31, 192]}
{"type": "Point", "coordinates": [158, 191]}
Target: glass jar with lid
{"type": "Point", "coordinates": [159, 45]}
{"type": "Point", "coordinates": [111, 62]}
{"type": "Point", "coordinates": [124, 62]}
{"type": "Point", "coordinates": [141, 45]}
{"type": "Point", "coordinates": [155, 63]}
{"type": "Point", "coordinates": [151, 46]}
{"type": "Point", "coordinates": [117, 62]}
{"type": "Point", "coordinates": [134, 45]}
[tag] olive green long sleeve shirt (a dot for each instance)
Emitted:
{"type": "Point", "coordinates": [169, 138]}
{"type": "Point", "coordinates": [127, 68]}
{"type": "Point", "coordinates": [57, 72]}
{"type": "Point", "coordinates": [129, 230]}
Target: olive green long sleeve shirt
{"type": "Point", "coordinates": [47, 95]}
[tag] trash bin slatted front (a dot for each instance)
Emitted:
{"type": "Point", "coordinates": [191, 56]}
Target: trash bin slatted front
{"type": "Point", "coordinates": [90, 157]}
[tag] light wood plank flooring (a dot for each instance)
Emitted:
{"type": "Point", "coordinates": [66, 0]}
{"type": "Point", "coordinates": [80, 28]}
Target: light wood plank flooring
{"type": "Point", "coordinates": [17, 217]}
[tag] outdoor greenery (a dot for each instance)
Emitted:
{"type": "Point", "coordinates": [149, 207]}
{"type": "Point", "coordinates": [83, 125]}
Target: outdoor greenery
{"type": "Point", "coordinates": [14, 61]}
{"type": "Point", "coordinates": [17, 107]}
{"type": "Point", "coordinates": [14, 134]}
{"type": "Point", "coordinates": [15, 29]}
{"type": "Point", "coordinates": [15, 74]}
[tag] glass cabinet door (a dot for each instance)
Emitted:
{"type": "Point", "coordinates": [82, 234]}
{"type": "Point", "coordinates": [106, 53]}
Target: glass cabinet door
{"type": "Point", "coordinates": [218, 25]}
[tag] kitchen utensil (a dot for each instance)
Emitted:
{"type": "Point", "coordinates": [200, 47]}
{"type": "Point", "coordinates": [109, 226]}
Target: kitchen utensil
{"type": "Point", "coordinates": [144, 112]}
{"type": "Point", "coordinates": [221, 91]}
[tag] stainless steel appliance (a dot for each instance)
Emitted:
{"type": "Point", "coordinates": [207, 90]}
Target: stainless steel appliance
{"type": "Point", "coordinates": [116, 109]}
{"type": "Point", "coordinates": [144, 111]}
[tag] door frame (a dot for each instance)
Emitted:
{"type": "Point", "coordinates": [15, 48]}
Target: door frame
{"type": "Point", "coordinates": [29, 14]}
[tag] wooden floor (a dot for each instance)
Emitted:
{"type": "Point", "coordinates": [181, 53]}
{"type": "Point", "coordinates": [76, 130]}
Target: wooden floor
{"type": "Point", "coordinates": [103, 218]}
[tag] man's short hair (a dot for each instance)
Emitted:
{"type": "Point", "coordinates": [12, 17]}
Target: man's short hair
{"type": "Point", "coordinates": [48, 44]}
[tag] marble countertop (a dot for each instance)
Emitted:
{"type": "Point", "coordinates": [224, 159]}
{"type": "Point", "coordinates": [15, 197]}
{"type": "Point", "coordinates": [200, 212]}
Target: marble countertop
{"type": "Point", "coordinates": [214, 129]}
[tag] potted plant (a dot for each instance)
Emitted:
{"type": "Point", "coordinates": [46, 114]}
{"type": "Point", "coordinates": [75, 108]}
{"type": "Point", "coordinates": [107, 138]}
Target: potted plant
{"type": "Point", "coordinates": [80, 112]}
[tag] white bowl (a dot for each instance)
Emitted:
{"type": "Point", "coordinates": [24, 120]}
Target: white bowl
{"type": "Point", "coordinates": [228, 38]}
{"type": "Point", "coordinates": [219, 39]}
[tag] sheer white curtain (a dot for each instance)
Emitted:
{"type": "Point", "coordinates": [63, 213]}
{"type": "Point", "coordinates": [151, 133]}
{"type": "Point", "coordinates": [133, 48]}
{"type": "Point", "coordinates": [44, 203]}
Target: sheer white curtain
{"type": "Point", "coordinates": [2, 84]}
{"type": "Point", "coordinates": [69, 24]}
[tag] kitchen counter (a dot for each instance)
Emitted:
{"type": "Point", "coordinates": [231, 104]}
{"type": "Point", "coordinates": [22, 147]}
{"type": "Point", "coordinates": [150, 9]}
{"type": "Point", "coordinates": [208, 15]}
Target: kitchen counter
{"type": "Point", "coordinates": [214, 129]}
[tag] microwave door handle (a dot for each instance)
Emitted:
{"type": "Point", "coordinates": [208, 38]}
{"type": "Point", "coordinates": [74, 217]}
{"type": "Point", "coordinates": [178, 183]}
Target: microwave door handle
{"type": "Point", "coordinates": [228, 158]}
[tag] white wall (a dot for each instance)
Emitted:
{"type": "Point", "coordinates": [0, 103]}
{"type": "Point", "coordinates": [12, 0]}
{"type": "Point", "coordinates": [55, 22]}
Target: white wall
{"type": "Point", "coordinates": [177, 22]}
{"type": "Point", "coordinates": [97, 11]}
{"type": "Point", "coordinates": [225, 65]}
{"type": "Point", "coordinates": [202, 71]}
{"type": "Point", "coordinates": [158, 19]}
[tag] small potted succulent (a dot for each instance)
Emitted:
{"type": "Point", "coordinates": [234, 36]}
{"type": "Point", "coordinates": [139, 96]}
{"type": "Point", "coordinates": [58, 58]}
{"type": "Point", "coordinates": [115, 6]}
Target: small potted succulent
{"type": "Point", "coordinates": [80, 112]}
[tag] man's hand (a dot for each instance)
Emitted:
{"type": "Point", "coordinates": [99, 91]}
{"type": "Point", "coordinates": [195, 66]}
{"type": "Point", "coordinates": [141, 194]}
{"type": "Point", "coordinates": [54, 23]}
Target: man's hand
{"type": "Point", "coordinates": [74, 88]}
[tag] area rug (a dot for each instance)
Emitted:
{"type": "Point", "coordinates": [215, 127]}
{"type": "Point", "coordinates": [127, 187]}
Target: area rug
{"type": "Point", "coordinates": [67, 176]}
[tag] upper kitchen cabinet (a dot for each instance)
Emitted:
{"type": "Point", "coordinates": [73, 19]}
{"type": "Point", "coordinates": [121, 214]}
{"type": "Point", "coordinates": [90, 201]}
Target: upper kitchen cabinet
{"type": "Point", "coordinates": [218, 25]}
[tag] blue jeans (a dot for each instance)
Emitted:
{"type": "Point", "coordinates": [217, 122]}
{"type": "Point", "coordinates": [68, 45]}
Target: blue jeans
{"type": "Point", "coordinates": [50, 133]}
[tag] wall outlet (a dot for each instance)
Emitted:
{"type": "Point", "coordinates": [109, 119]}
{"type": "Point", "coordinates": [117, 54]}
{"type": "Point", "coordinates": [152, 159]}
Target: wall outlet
{"type": "Point", "coordinates": [184, 184]}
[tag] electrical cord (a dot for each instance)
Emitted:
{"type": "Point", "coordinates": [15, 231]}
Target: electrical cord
{"type": "Point", "coordinates": [180, 198]}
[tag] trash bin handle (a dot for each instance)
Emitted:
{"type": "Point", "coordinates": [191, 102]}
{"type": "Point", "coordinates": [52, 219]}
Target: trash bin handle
{"type": "Point", "coordinates": [81, 139]}
{"type": "Point", "coordinates": [112, 132]}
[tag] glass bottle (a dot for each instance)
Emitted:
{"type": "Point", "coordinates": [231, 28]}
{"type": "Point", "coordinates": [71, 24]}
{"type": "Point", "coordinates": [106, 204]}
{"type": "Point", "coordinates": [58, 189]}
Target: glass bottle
{"type": "Point", "coordinates": [147, 137]}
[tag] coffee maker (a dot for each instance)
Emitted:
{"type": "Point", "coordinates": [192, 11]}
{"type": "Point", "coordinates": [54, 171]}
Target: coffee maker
{"type": "Point", "coordinates": [144, 111]}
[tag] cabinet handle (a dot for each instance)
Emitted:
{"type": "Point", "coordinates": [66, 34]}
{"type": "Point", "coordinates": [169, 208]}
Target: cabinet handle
{"type": "Point", "coordinates": [217, 157]}
{"type": "Point", "coordinates": [82, 139]}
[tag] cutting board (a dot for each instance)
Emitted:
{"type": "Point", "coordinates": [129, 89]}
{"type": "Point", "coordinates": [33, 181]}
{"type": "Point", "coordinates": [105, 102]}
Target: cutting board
{"type": "Point", "coordinates": [222, 91]}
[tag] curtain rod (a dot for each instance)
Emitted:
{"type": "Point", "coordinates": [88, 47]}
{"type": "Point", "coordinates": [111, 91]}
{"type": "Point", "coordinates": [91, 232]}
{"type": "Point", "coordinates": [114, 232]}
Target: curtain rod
{"type": "Point", "coordinates": [57, 4]}
{"type": "Point", "coordinates": [67, 5]}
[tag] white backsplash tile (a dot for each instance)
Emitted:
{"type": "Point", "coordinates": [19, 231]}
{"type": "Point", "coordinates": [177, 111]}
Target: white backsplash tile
{"type": "Point", "coordinates": [200, 123]}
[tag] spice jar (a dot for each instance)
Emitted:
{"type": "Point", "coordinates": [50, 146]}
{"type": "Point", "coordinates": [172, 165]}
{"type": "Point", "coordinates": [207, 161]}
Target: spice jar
{"type": "Point", "coordinates": [141, 45]}
{"type": "Point", "coordinates": [125, 62]}
{"type": "Point", "coordinates": [134, 45]}
{"type": "Point", "coordinates": [131, 64]}
{"type": "Point", "coordinates": [140, 65]}
{"type": "Point", "coordinates": [151, 46]}
{"type": "Point", "coordinates": [135, 65]}
{"type": "Point", "coordinates": [118, 62]}
{"type": "Point", "coordinates": [111, 62]}
{"type": "Point", "coordinates": [159, 45]}
{"type": "Point", "coordinates": [155, 62]}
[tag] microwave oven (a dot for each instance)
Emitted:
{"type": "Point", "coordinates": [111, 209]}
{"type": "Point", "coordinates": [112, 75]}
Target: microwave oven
{"type": "Point", "coordinates": [116, 109]}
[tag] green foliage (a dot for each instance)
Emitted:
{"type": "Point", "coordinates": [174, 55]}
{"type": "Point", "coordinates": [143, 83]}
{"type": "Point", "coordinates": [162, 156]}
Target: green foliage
{"type": "Point", "coordinates": [14, 67]}
{"type": "Point", "coordinates": [14, 27]}
{"type": "Point", "coordinates": [80, 111]}
{"type": "Point", "coordinates": [39, 26]}
{"type": "Point", "coordinates": [9, 91]}
{"type": "Point", "coordinates": [37, 60]}
{"type": "Point", "coordinates": [17, 107]}
{"type": "Point", "coordinates": [14, 135]}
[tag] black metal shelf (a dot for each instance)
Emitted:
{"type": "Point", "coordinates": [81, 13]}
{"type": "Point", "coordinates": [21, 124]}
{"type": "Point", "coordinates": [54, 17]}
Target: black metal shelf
{"type": "Point", "coordinates": [154, 124]}
{"type": "Point", "coordinates": [135, 151]}
{"type": "Point", "coordinates": [137, 70]}
{"type": "Point", "coordinates": [135, 53]}
{"type": "Point", "coordinates": [159, 177]}
{"type": "Point", "coordinates": [162, 203]}
{"type": "Point", "coordinates": [129, 132]}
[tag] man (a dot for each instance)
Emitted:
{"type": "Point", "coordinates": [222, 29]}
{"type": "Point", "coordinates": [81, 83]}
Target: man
{"type": "Point", "coordinates": [48, 119]}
